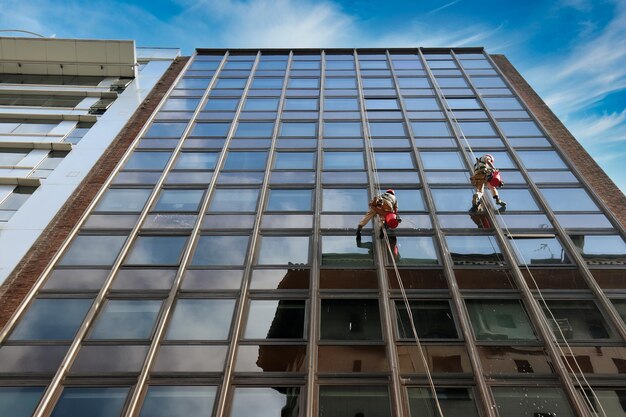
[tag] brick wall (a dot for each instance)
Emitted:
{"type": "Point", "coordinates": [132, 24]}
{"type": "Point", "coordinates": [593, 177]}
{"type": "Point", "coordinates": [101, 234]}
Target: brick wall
{"type": "Point", "coordinates": [595, 177]}
{"type": "Point", "coordinates": [30, 268]}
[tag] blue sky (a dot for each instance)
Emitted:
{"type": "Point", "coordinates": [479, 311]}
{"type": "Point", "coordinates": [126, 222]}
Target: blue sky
{"type": "Point", "coordinates": [573, 52]}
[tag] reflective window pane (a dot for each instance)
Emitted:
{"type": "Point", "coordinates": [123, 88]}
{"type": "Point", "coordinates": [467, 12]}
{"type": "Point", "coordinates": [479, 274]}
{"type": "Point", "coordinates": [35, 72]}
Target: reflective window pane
{"type": "Point", "coordinates": [344, 200]}
{"type": "Point", "coordinates": [569, 199]}
{"type": "Point", "coordinates": [578, 320]}
{"type": "Point", "coordinates": [19, 401]}
{"type": "Point", "coordinates": [156, 250]}
{"type": "Point", "coordinates": [91, 401]}
{"type": "Point", "coordinates": [531, 402]}
{"type": "Point", "coordinates": [294, 160]}
{"type": "Point", "coordinates": [601, 249]}
{"type": "Point", "coordinates": [540, 251]}
{"type": "Point", "coordinates": [283, 250]}
{"type": "Point", "coordinates": [126, 319]}
{"type": "Point", "coordinates": [275, 319]}
{"type": "Point", "coordinates": [394, 160]}
{"type": "Point", "coordinates": [474, 250]}
{"type": "Point", "coordinates": [179, 401]}
{"type": "Point", "coordinates": [220, 250]}
{"type": "Point", "coordinates": [234, 200]}
{"type": "Point", "coordinates": [499, 320]}
{"type": "Point", "coordinates": [343, 160]}
{"type": "Point", "coordinates": [201, 319]}
{"type": "Point", "coordinates": [290, 200]}
{"type": "Point", "coordinates": [93, 250]}
{"type": "Point", "coordinates": [124, 200]}
{"type": "Point", "coordinates": [154, 161]}
{"type": "Point", "coordinates": [179, 200]}
{"type": "Point", "coordinates": [345, 251]}
{"type": "Point", "coordinates": [433, 320]}
{"type": "Point", "coordinates": [265, 402]}
{"type": "Point", "coordinates": [357, 401]}
{"type": "Point", "coordinates": [454, 402]}
{"type": "Point", "coordinates": [415, 250]}
{"type": "Point", "coordinates": [196, 160]}
{"type": "Point", "coordinates": [248, 161]}
{"type": "Point", "coordinates": [350, 320]}
{"type": "Point", "coordinates": [51, 319]}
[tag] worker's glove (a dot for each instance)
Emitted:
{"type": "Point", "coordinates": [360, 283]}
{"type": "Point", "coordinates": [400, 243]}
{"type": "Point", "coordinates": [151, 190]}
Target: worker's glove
{"type": "Point", "coordinates": [501, 184]}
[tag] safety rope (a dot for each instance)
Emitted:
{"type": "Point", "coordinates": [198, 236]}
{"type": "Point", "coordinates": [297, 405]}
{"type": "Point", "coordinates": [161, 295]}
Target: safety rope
{"type": "Point", "coordinates": [459, 129]}
{"type": "Point", "coordinates": [418, 343]}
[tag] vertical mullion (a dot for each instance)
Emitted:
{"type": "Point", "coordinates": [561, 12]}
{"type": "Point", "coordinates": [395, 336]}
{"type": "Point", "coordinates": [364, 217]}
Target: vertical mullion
{"type": "Point", "coordinates": [487, 401]}
{"type": "Point", "coordinates": [532, 306]}
{"type": "Point", "coordinates": [383, 294]}
{"type": "Point", "coordinates": [314, 298]}
{"type": "Point", "coordinates": [237, 327]}
{"type": "Point", "coordinates": [133, 408]}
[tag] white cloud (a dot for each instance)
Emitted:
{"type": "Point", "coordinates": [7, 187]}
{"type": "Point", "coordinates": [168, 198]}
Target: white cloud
{"type": "Point", "coordinates": [604, 128]}
{"type": "Point", "coordinates": [588, 72]}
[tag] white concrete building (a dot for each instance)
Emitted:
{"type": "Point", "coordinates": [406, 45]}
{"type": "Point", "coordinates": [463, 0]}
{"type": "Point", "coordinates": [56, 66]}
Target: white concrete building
{"type": "Point", "coordinates": [62, 103]}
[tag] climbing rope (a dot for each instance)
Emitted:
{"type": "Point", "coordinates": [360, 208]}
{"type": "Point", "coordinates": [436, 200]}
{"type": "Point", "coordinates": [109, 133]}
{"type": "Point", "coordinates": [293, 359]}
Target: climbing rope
{"type": "Point", "coordinates": [586, 384]}
{"type": "Point", "coordinates": [407, 305]}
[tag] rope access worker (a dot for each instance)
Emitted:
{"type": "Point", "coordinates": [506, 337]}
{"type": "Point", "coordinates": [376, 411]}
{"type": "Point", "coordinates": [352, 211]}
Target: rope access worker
{"type": "Point", "coordinates": [382, 205]}
{"type": "Point", "coordinates": [485, 173]}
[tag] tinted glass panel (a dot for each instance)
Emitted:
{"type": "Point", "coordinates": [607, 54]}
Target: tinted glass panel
{"type": "Point", "coordinates": [540, 251]}
{"type": "Point", "coordinates": [577, 320]}
{"type": "Point", "coordinates": [179, 401]}
{"type": "Point", "coordinates": [415, 250]}
{"type": "Point", "coordinates": [290, 200]}
{"type": "Point", "coordinates": [93, 250]}
{"type": "Point", "coordinates": [234, 200]}
{"type": "Point", "coordinates": [433, 320]}
{"type": "Point", "coordinates": [343, 160]}
{"type": "Point", "coordinates": [266, 402]}
{"type": "Point", "coordinates": [220, 250]}
{"type": "Point", "coordinates": [294, 160]}
{"type": "Point", "coordinates": [198, 319]}
{"type": "Point", "coordinates": [569, 199]}
{"type": "Point", "coordinates": [147, 161]}
{"type": "Point", "coordinates": [531, 402]}
{"type": "Point", "coordinates": [52, 319]}
{"type": "Point", "coordinates": [357, 401]}
{"type": "Point", "coordinates": [92, 401]}
{"type": "Point", "coordinates": [19, 401]}
{"type": "Point", "coordinates": [601, 249]}
{"type": "Point", "coordinates": [156, 250]}
{"type": "Point", "coordinates": [345, 251]}
{"type": "Point", "coordinates": [344, 200]}
{"type": "Point", "coordinates": [283, 250]}
{"type": "Point", "coordinates": [251, 161]}
{"type": "Point", "coordinates": [350, 320]}
{"type": "Point", "coordinates": [120, 200]}
{"type": "Point", "coordinates": [499, 320]}
{"type": "Point", "coordinates": [275, 319]}
{"type": "Point", "coordinates": [126, 319]}
{"type": "Point", "coordinates": [179, 200]}
{"type": "Point", "coordinates": [454, 402]}
{"type": "Point", "coordinates": [196, 160]}
{"type": "Point", "coordinates": [474, 250]}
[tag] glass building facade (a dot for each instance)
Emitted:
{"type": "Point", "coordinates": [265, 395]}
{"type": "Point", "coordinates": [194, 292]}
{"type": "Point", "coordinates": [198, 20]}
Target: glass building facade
{"type": "Point", "coordinates": [237, 208]}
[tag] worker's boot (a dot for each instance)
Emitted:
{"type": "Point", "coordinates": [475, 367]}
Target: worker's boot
{"type": "Point", "coordinates": [381, 235]}
{"type": "Point", "coordinates": [358, 232]}
{"type": "Point", "coordinates": [499, 201]}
